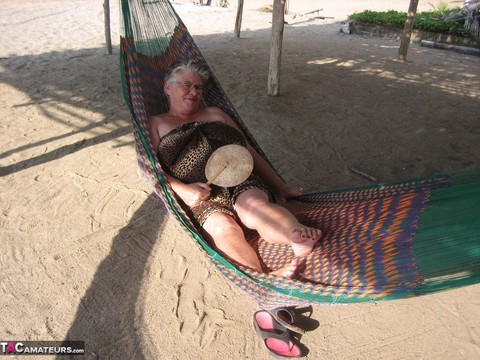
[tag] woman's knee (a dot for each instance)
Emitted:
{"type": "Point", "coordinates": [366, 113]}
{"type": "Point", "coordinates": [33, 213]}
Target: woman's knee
{"type": "Point", "coordinates": [250, 203]}
{"type": "Point", "coordinates": [251, 199]}
{"type": "Point", "coordinates": [219, 224]}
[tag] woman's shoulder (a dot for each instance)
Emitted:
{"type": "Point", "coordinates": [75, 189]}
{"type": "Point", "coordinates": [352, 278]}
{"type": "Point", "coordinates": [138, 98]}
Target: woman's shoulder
{"type": "Point", "coordinates": [215, 112]}
{"type": "Point", "coordinates": [162, 124]}
{"type": "Point", "coordinates": [156, 119]}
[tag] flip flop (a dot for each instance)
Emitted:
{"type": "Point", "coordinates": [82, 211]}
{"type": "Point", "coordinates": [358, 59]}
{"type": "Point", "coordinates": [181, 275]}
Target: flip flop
{"type": "Point", "coordinates": [286, 317]}
{"type": "Point", "coordinates": [275, 337]}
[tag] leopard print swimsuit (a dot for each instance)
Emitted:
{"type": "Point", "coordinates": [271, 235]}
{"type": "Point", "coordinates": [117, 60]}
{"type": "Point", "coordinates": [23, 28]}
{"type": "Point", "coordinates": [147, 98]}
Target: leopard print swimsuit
{"type": "Point", "coordinates": [184, 153]}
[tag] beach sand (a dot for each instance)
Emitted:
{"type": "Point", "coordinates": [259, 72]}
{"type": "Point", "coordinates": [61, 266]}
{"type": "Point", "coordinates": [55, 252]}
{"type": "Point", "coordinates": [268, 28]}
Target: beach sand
{"type": "Point", "coordinates": [88, 253]}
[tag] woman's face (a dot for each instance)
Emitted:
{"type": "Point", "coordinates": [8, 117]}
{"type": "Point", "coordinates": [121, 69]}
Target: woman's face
{"type": "Point", "coordinates": [185, 92]}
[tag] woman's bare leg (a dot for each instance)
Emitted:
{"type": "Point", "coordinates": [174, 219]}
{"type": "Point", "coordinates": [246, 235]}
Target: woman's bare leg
{"type": "Point", "coordinates": [274, 223]}
{"type": "Point", "coordinates": [229, 239]}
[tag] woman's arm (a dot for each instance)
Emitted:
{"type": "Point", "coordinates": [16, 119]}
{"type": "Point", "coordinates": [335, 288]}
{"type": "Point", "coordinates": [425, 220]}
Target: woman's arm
{"type": "Point", "coordinates": [154, 136]}
{"type": "Point", "coordinates": [273, 180]}
{"type": "Point", "coordinates": [191, 194]}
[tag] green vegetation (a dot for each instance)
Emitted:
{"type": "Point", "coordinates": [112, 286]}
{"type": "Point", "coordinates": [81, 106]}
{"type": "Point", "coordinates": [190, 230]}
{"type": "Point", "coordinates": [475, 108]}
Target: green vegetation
{"type": "Point", "coordinates": [433, 21]}
{"type": "Point", "coordinates": [266, 9]}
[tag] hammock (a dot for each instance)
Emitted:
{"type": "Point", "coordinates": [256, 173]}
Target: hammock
{"type": "Point", "coordinates": [382, 242]}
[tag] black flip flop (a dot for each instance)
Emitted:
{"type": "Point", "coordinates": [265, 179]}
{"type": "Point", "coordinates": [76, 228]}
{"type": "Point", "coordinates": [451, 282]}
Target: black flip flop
{"type": "Point", "coordinates": [286, 316]}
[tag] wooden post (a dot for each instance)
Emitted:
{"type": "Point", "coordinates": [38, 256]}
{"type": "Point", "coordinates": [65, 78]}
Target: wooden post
{"type": "Point", "coordinates": [108, 37]}
{"type": "Point", "coordinates": [278, 22]}
{"type": "Point", "coordinates": [238, 21]}
{"type": "Point", "coordinates": [407, 30]}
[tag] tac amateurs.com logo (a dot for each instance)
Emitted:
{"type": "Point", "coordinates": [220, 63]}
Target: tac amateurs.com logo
{"type": "Point", "coordinates": [42, 348]}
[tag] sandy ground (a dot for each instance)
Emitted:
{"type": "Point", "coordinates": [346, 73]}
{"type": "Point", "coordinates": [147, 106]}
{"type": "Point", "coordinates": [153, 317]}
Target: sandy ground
{"type": "Point", "coordinates": [88, 253]}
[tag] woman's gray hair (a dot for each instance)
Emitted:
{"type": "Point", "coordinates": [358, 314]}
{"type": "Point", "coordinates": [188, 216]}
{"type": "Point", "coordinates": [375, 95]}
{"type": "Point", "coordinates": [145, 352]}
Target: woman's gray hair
{"type": "Point", "coordinates": [181, 66]}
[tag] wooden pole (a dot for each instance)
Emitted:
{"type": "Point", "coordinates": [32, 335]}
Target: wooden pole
{"type": "Point", "coordinates": [278, 22]}
{"type": "Point", "coordinates": [108, 37]}
{"type": "Point", "coordinates": [407, 30]}
{"type": "Point", "coordinates": [238, 21]}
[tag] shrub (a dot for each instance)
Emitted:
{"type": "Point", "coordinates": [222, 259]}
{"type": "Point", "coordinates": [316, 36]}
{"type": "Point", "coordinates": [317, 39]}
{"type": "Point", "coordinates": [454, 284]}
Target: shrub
{"type": "Point", "coordinates": [433, 21]}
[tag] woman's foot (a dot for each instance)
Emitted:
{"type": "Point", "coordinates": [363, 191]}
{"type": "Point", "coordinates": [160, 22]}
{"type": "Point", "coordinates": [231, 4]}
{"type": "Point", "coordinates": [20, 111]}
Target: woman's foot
{"type": "Point", "coordinates": [304, 239]}
{"type": "Point", "coordinates": [288, 270]}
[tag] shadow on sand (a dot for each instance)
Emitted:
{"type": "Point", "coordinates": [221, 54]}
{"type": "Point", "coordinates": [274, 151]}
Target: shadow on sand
{"type": "Point", "coordinates": [106, 317]}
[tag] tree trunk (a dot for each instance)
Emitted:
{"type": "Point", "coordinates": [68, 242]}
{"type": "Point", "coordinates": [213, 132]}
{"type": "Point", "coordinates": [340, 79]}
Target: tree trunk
{"type": "Point", "coordinates": [278, 22]}
{"type": "Point", "coordinates": [238, 21]}
{"type": "Point", "coordinates": [407, 30]}
{"type": "Point", "coordinates": [108, 37]}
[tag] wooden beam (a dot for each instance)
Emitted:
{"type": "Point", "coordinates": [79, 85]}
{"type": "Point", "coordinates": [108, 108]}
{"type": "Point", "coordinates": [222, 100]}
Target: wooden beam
{"type": "Point", "coordinates": [108, 37]}
{"type": "Point", "coordinates": [238, 21]}
{"type": "Point", "coordinates": [278, 23]}
{"type": "Point", "coordinates": [407, 30]}
{"type": "Point", "coordinates": [456, 48]}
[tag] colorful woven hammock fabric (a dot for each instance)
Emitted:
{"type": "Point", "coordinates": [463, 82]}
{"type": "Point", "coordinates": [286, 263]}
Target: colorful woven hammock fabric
{"type": "Point", "coordinates": [388, 241]}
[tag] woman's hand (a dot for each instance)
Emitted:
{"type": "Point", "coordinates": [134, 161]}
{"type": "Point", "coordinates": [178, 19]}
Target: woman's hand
{"type": "Point", "coordinates": [287, 192]}
{"type": "Point", "coordinates": [193, 194]}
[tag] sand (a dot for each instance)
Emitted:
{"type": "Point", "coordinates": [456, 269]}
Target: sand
{"type": "Point", "coordinates": [88, 253]}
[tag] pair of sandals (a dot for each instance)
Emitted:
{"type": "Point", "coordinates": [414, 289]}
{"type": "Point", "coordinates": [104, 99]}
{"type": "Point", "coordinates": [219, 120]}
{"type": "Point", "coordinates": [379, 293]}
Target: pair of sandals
{"type": "Point", "coordinates": [276, 326]}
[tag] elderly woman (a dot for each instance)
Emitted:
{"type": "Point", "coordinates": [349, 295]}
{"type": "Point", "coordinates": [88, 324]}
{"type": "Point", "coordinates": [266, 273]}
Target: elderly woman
{"type": "Point", "coordinates": [184, 138]}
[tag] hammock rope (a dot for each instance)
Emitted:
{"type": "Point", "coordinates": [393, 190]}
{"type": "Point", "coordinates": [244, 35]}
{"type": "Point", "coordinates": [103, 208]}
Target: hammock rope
{"type": "Point", "coordinates": [383, 242]}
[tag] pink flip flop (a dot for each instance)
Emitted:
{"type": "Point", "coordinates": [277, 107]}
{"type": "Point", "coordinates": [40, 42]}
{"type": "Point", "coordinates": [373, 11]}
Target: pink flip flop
{"type": "Point", "coordinates": [275, 336]}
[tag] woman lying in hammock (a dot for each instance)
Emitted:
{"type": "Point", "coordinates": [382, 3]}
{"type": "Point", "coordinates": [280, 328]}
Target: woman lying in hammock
{"type": "Point", "coordinates": [185, 137]}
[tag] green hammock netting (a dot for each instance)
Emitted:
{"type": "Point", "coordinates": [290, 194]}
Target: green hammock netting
{"type": "Point", "coordinates": [383, 242]}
